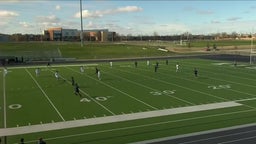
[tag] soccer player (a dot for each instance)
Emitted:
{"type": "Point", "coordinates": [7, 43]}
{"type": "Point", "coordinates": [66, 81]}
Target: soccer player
{"type": "Point", "coordinates": [136, 64]}
{"type": "Point", "coordinates": [96, 69]}
{"type": "Point", "coordinates": [147, 62]}
{"type": "Point", "coordinates": [37, 71]}
{"type": "Point", "coordinates": [77, 90]}
{"type": "Point", "coordinates": [177, 67]}
{"type": "Point", "coordinates": [195, 72]}
{"type": "Point", "coordinates": [56, 74]}
{"type": "Point", "coordinates": [81, 69]}
{"type": "Point", "coordinates": [72, 81]}
{"type": "Point", "coordinates": [156, 67]}
{"type": "Point", "coordinates": [22, 141]}
{"type": "Point", "coordinates": [167, 62]}
{"type": "Point", "coordinates": [5, 71]}
{"type": "Point", "coordinates": [98, 74]}
{"type": "Point", "coordinates": [111, 64]}
{"type": "Point", "coordinates": [235, 63]}
{"type": "Point", "coordinates": [48, 64]}
{"type": "Point", "coordinates": [41, 141]}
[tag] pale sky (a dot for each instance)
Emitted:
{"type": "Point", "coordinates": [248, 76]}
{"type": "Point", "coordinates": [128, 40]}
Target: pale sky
{"type": "Point", "coordinates": [135, 17]}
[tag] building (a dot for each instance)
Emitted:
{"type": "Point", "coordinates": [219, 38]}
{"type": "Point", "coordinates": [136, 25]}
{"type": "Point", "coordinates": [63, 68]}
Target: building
{"type": "Point", "coordinates": [60, 34]}
{"type": "Point", "coordinates": [96, 35]}
{"type": "Point", "coordinates": [4, 38]}
{"type": "Point", "coordinates": [53, 34]}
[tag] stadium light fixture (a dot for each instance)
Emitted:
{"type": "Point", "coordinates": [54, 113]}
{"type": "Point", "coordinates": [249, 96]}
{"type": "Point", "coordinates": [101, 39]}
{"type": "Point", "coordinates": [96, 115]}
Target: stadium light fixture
{"type": "Point", "coordinates": [81, 33]}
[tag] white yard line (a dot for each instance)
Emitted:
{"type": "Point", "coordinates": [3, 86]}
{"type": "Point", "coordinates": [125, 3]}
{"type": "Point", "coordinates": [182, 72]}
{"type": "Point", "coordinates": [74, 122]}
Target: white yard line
{"type": "Point", "coordinates": [118, 90]}
{"type": "Point", "coordinates": [88, 96]}
{"type": "Point", "coordinates": [4, 95]}
{"type": "Point", "coordinates": [151, 88]}
{"type": "Point", "coordinates": [49, 100]}
{"type": "Point", "coordinates": [207, 84]}
{"type": "Point", "coordinates": [116, 118]}
{"type": "Point", "coordinates": [59, 52]}
{"type": "Point", "coordinates": [226, 74]}
{"type": "Point", "coordinates": [180, 86]}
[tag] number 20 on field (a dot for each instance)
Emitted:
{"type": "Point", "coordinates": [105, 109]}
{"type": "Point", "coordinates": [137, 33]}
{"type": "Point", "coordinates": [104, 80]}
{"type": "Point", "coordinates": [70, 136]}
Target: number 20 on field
{"type": "Point", "coordinates": [215, 87]}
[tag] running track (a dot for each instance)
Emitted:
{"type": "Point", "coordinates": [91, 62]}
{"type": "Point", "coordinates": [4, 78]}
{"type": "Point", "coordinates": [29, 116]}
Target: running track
{"type": "Point", "coordinates": [245, 134]}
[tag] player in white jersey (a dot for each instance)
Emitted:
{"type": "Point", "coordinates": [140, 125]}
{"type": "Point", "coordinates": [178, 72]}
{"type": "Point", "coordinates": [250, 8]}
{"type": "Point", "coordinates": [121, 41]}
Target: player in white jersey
{"type": "Point", "coordinates": [81, 69]}
{"type": "Point", "coordinates": [147, 62]}
{"type": "Point", "coordinates": [37, 71]}
{"type": "Point", "coordinates": [56, 74]}
{"type": "Point", "coordinates": [177, 67]}
{"type": "Point", "coordinates": [98, 74]}
{"type": "Point", "coordinates": [111, 64]}
{"type": "Point", "coordinates": [5, 71]}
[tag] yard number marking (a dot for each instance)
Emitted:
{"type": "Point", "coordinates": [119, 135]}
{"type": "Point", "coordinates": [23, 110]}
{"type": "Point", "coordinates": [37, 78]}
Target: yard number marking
{"type": "Point", "coordinates": [165, 92]}
{"type": "Point", "coordinates": [100, 98]}
{"type": "Point", "coordinates": [215, 87]}
{"type": "Point", "coordinates": [15, 106]}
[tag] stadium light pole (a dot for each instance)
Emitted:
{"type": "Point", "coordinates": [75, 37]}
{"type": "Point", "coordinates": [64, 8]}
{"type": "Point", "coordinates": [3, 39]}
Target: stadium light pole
{"type": "Point", "coordinates": [251, 49]}
{"type": "Point", "coordinates": [81, 33]}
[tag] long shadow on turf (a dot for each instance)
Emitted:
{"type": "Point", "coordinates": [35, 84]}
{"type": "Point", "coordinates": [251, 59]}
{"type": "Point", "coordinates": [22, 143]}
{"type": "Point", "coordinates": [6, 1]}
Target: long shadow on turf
{"type": "Point", "coordinates": [101, 140]}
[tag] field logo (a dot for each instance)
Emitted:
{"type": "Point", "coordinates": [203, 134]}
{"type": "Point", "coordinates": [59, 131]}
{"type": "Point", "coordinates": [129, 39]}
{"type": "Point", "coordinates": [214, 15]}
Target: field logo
{"type": "Point", "coordinates": [165, 92]}
{"type": "Point", "coordinates": [15, 106]}
{"type": "Point", "coordinates": [215, 87]}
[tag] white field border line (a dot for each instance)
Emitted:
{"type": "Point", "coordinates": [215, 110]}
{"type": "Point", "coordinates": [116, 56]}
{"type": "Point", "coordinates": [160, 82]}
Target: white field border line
{"type": "Point", "coordinates": [4, 96]}
{"type": "Point", "coordinates": [52, 65]}
{"type": "Point", "coordinates": [89, 96]}
{"type": "Point", "coordinates": [151, 89]}
{"type": "Point", "coordinates": [118, 90]}
{"type": "Point", "coordinates": [112, 119]}
{"type": "Point", "coordinates": [179, 86]}
{"type": "Point", "coordinates": [158, 123]}
{"type": "Point", "coordinates": [49, 100]}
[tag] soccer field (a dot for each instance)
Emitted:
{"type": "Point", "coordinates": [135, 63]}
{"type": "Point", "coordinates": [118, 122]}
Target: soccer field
{"type": "Point", "coordinates": [128, 104]}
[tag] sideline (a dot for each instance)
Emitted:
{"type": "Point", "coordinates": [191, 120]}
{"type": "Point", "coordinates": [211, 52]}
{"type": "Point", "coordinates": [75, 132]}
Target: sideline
{"type": "Point", "coordinates": [115, 118]}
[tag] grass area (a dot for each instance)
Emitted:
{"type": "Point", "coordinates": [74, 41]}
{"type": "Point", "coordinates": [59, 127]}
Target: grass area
{"type": "Point", "coordinates": [42, 50]}
{"type": "Point", "coordinates": [74, 50]}
{"type": "Point", "coordinates": [125, 89]}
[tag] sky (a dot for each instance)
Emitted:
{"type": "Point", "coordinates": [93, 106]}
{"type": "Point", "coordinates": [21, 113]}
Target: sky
{"type": "Point", "coordinates": [129, 17]}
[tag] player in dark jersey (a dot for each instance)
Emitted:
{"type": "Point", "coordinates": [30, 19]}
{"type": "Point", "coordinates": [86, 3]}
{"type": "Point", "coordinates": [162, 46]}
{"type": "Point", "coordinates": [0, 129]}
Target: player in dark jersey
{"type": "Point", "coordinates": [195, 72]}
{"type": "Point", "coordinates": [136, 64]}
{"type": "Point", "coordinates": [77, 90]}
{"type": "Point", "coordinates": [72, 81]}
{"type": "Point", "coordinates": [96, 70]}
